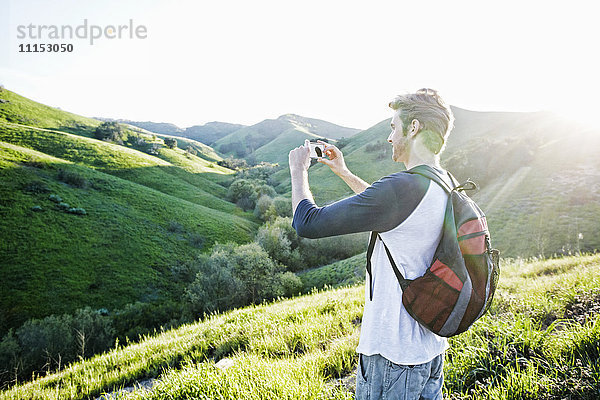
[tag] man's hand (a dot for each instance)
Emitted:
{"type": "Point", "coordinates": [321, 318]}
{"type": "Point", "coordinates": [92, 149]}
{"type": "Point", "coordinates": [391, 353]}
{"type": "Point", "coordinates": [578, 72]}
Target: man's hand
{"type": "Point", "coordinates": [336, 159]}
{"type": "Point", "coordinates": [299, 158]}
{"type": "Point", "coordinates": [338, 166]}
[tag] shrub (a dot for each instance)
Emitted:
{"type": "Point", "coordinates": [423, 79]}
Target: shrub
{"type": "Point", "coordinates": [140, 318]}
{"type": "Point", "coordinates": [215, 287]}
{"type": "Point", "coordinates": [153, 148]}
{"type": "Point", "coordinates": [170, 143]}
{"type": "Point", "coordinates": [46, 343]}
{"type": "Point", "coordinates": [36, 208]}
{"type": "Point", "coordinates": [243, 194]}
{"type": "Point", "coordinates": [63, 206]}
{"type": "Point", "coordinates": [291, 284]}
{"type": "Point", "coordinates": [234, 276]}
{"type": "Point", "coordinates": [111, 131]}
{"type": "Point", "coordinates": [36, 187]}
{"type": "Point", "coordinates": [191, 151]}
{"type": "Point", "coordinates": [175, 227]}
{"type": "Point", "coordinates": [265, 210]}
{"type": "Point", "coordinates": [196, 240]}
{"type": "Point", "coordinates": [283, 206]}
{"type": "Point", "coordinates": [233, 163]}
{"type": "Point", "coordinates": [281, 243]}
{"type": "Point", "coordinates": [253, 266]}
{"type": "Point", "coordinates": [37, 164]}
{"type": "Point", "coordinates": [76, 210]}
{"type": "Point", "coordinates": [72, 178]}
{"type": "Point", "coordinates": [55, 198]}
{"type": "Point", "coordinates": [93, 332]}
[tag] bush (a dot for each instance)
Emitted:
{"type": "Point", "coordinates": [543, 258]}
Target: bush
{"type": "Point", "coordinates": [111, 131]}
{"type": "Point", "coordinates": [36, 187]}
{"type": "Point", "coordinates": [283, 206]}
{"type": "Point", "coordinates": [215, 287]}
{"type": "Point", "coordinates": [243, 194]}
{"type": "Point", "coordinates": [93, 332]}
{"type": "Point", "coordinates": [291, 284]}
{"type": "Point", "coordinates": [72, 178]}
{"type": "Point", "coordinates": [46, 343]}
{"type": "Point", "coordinates": [170, 143]}
{"type": "Point", "coordinates": [233, 163]}
{"type": "Point", "coordinates": [63, 206]}
{"type": "Point", "coordinates": [191, 151]}
{"type": "Point", "coordinates": [265, 210]}
{"type": "Point", "coordinates": [55, 198]}
{"type": "Point", "coordinates": [196, 240]}
{"type": "Point", "coordinates": [37, 208]}
{"type": "Point", "coordinates": [234, 276]}
{"type": "Point", "coordinates": [281, 243]}
{"type": "Point", "coordinates": [175, 227]}
{"type": "Point", "coordinates": [77, 211]}
{"type": "Point", "coordinates": [140, 318]}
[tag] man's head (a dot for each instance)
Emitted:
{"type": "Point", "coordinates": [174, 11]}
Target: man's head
{"type": "Point", "coordinates": [422, 120]}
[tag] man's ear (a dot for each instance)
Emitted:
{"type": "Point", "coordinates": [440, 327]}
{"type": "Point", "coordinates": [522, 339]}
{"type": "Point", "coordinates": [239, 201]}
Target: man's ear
{"type": "Point", "coordinates": [415, 125]}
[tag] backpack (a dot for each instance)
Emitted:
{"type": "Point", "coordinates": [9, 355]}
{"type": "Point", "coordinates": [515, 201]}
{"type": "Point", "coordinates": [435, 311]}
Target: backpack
{"type": "Point", "coordinates": [458, 287]}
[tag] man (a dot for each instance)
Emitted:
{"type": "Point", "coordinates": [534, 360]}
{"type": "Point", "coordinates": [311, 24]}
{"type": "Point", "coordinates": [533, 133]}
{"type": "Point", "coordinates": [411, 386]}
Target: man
{"type": "Point", "coordinates": [398, 358]}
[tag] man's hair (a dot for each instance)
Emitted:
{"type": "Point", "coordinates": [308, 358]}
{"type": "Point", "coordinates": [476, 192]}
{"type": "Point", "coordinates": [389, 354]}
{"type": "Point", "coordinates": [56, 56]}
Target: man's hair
{"type": "Point", "coordinates": [434, 115]}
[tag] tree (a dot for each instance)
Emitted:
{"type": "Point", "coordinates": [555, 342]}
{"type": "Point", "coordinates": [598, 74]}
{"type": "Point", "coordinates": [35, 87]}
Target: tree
{"type": "Point", "coordinates": [234, 276]}
{"type": "Point", "coordinates": [252, 266]}
{"type": "Point", "coordinates": [283, 206]}
{"type": "Point", "coordinates": [265, 210]}
{"type": "Point", "coordinates": [93, 332]}
{"type": "Point", "coordinates": [215, 287]}
{"type": "Point", "coordinates": [243, 194]}
{"type": "Point", "coordinates": [275, 240]}
{"type": "Point", "coordinates": [110, 131]}
{"type": "Point", "coordinates": [171, 143]}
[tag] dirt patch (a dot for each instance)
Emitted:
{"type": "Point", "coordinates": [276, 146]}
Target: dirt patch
{"type": "Point", "coordinates": [583, 307]}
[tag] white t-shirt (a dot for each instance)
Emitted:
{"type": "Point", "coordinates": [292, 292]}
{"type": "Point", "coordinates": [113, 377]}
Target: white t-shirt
{"type": "Point", "coordinates": [408, 211]}
{"type": "Point", "coordinates": [387, 328]}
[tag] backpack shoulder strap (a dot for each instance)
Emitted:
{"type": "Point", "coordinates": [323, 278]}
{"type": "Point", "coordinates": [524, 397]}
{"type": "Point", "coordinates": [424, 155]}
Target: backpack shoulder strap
{"type": "Point", "coordinates": [403, 281]}
{"type": "Point", "coordinates": [430, 173]}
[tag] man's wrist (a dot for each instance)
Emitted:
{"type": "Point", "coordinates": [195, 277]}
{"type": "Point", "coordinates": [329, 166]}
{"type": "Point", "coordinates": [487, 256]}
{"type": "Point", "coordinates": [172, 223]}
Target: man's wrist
{"type": "Point", "coordinates": [298, 172]}
{"type": "Point", "coordinates": [344, 173]}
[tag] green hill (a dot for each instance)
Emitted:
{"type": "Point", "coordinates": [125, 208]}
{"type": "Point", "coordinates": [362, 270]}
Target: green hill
{"type": "Point", "coordinates": [271, 139]}
{"type": "Point", "coordinates": [88, 222]}
{"type": "Point", "coordinates": [211, 131]}
{"type": "Point", "coordinates": [540, 339]}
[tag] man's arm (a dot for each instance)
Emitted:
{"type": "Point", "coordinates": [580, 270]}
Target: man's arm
{"type": "Point", "coordinates": [338, 166]}
{"type": "Point", "coordinates": [300, 188]}
{"type": "Point", "coordinates": [355, 183]}
{"type": "Point", "coordinates": [299, 160]}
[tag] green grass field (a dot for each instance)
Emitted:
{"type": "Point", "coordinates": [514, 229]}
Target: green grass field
{"type": "Point", "coordinates": [541, 339]}
{"type": "Point", "coordinates": [121, 251]}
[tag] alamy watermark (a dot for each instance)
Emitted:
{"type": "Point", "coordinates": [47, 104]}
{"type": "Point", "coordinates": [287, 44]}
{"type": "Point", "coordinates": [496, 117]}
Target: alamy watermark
{"type": "Point", "coordinates": [41, 34]}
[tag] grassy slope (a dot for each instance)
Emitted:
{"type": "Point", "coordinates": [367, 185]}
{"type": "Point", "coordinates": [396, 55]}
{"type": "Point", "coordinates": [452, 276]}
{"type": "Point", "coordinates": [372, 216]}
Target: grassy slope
{"type": "Point", "coordinates": [295, 349]}
{"type": "Point", "coordinates": [145, 214]}
{"type": "Point", "coordinates": [120, 252]}
{"type": "Point", "coordinates": [195, 183]}
{"type": "Point", "coordinates": [277, 150]}
{"type": "Point", "coordinates": [22, 110]}
{"type": "Point", "coordinates": [274, 138]}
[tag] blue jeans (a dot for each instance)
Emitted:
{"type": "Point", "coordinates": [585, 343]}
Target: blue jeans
{"type": "Point", "coordinates": [379, 378]}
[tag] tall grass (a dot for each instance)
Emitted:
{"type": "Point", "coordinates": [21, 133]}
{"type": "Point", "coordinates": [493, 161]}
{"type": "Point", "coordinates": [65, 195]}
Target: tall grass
{"type": "Point", "coordinates": [300, 348]}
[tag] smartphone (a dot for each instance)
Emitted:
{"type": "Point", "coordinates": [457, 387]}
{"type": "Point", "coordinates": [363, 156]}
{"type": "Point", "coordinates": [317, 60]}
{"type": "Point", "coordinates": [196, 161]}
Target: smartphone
{"type": "Point", "coordinates": [316, 149]}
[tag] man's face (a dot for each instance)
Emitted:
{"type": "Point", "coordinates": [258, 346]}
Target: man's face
{"type": "Point", "coordinates": [398, 140]}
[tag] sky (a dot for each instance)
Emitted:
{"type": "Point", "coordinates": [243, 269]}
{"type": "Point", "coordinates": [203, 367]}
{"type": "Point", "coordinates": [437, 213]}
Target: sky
{"type": "Point", "coordinates": [245, 61]}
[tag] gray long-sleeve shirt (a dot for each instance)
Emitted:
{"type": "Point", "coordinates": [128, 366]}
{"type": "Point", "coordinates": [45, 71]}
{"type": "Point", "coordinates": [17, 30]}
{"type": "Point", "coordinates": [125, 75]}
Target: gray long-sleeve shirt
{"type": "Point", "coordinates": [380, 207]}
